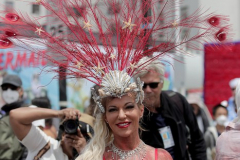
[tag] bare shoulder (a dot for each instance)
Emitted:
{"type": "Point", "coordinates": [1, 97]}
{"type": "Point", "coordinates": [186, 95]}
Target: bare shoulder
{"type": "Point", "coordinates": [163, 154]}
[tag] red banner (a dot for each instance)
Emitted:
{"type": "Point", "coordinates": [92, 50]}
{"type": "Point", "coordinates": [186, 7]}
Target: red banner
{"type": "Point", "coordinates": [222, 63]}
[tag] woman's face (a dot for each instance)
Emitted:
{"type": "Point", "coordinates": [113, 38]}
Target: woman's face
{"type": "Point", "coordinates": [123, 115]}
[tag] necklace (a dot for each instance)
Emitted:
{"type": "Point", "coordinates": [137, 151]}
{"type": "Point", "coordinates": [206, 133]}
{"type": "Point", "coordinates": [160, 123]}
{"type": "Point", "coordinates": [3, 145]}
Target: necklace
{"type": "Point", "coordinates": [138, 153]}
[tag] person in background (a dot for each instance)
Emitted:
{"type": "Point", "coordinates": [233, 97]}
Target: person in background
{"type": "Point", "coordinates": [232, 113]}
{"type": "Point", "coordinates": [12, 94]}
{"type": "Point", "coordinates": [92, 109]}
{"type": "Point", "coordinates": [43, 147]}
{"type": "Point", "coordinates": [2, 74]}
{"type": "Point", "coordinates": [220, 114]}
{"type": "Point", "coordinates": [38, 123]}
{"type": "Point", "coordinates": [49, 129]}
{"type": "Point", "coordinates": [227, 146]}
{"type": "Point", "coordinates": [201, 112]}
{"type": "Point", "coordinates": [44, 102]}
{"type": "Point", "coordinates": [168, 113]}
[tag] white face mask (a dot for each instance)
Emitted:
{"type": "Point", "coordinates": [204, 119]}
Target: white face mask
{"type": "Point", "coordinates": [221, 120]}
{"type": "Point", "coordinates": [10, 96]}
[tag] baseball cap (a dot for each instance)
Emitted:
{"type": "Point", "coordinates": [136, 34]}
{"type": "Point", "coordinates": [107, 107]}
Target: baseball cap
{"type": "Point", "coordinates": [12, 79]}
{"type": "Point", "coordinates": [87, 119]}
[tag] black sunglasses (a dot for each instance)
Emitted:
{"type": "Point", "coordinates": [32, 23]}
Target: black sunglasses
{"type": "Point", "coordinates": [5, 87]}
{"type": "Point", "coordinates": [151, 85]}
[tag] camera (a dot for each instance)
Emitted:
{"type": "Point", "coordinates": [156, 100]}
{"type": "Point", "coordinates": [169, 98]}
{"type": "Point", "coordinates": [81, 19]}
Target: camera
{"type": "Point", "coordinates": [70, 127]}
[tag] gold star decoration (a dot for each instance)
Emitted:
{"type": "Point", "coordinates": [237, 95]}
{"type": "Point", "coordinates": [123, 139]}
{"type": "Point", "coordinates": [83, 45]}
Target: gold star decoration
{"type": "Point", "coordinates": [112, 56]}
{"type": "Point", "coordinates": [99, 69]}
{"type": "Point", "coordinates": [79, 65]}
{"type": "Point", "coordinates": [87, 25]}
{"type": "Point", "coordinates": [174, 24]}
{"type": "Point", "coordinates": [39, 30]}
{"type": "Point", "coordinates": [38, 1]}
{"type": "Point", "coordinates": [128, 24]}
{"type": "Point", "coordinates": [132, 66]}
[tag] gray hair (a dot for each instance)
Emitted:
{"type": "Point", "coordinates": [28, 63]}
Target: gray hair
{"type": "Point", "coordinates": [145, 64]}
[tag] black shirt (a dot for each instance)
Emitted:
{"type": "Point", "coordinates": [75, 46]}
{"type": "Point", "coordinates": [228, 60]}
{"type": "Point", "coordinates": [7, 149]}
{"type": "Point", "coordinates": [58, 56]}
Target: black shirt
{"type": "Point", "coordinates": [160, 123]}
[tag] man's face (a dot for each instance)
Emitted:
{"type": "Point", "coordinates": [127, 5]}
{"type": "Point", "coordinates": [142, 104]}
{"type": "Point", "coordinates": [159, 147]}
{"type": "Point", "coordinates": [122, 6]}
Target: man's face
{"type": "Point", "coordinates": [152, 94]}
{"type": "Point", "coordinates": [70, 141]}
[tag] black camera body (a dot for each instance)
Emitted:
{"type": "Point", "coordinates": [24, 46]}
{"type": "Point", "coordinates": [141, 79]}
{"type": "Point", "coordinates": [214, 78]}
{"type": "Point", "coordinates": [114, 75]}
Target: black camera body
{"type": "Point", "coordinates": [71, 126]}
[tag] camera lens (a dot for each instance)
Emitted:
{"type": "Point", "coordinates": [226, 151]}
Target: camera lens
{"type": "Point", "coordinates": [71, 126]}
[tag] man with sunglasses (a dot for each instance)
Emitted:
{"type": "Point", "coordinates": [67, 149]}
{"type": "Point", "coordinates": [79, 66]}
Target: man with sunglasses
{"type": "Point", "coordinates": [12, 93]}
{"type": "Point", "coordinates": [168, 119]}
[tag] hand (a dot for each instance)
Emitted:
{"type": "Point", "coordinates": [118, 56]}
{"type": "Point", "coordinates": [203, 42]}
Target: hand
{"type": "Point", "coordinates": [76, 141]}
{"type": "Point", "coordinates": [69, 113]}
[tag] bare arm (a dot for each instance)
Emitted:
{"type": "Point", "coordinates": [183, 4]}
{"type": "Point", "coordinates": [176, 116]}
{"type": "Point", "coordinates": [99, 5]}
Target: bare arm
{"type": "Point", "coordinates": [21, 119]}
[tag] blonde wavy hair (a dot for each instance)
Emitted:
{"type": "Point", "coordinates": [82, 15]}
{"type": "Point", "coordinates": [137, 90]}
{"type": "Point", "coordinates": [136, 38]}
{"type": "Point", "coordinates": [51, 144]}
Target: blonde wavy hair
{"type": "Point", "coordinates": [101, 139]}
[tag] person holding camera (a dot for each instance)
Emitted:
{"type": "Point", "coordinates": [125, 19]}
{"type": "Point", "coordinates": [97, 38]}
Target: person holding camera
{"type": "Point", "coordinates": [43, 147]}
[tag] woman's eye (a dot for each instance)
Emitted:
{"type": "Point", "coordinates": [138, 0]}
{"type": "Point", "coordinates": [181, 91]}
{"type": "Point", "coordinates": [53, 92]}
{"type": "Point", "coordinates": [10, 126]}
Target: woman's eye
{"type": "Point", "coordinates": [130, 107]}
{"type": "Point", "coordinates": [112, 110]}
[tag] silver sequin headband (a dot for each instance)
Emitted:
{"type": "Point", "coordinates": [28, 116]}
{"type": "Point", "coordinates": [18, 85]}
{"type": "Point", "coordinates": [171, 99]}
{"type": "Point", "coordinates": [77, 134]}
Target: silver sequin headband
{"type": "Point", "coordinates": [117, 84]}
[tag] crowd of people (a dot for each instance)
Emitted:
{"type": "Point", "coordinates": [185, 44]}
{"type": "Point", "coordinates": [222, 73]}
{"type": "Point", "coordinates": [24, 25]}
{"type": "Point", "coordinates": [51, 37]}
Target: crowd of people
{"type": "Point", "coordinates": [130, 116]}
{"type": "Point", "coordinates": [165, 120]}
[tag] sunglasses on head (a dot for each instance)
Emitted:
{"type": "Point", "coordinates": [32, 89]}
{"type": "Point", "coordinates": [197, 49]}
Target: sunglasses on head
{"type": "Point", "coordinates": [5, 87]}
{"type": "Point", "coordinates": [151, 85]}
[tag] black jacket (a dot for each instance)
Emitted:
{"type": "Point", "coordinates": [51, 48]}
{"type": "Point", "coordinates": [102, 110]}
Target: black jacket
{"type": "Point", "coordinates": [177, 118]}
{"type": "Point", "coordinates": [8, 107]}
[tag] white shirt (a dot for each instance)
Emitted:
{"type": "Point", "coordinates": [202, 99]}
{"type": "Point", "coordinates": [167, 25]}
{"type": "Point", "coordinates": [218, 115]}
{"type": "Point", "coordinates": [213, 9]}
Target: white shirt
{"type": "Point", "coordinates": [36, 140]}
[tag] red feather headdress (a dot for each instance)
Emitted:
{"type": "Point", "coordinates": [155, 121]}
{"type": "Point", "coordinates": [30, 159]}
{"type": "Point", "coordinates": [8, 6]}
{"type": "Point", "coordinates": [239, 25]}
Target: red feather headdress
{"type": "Point", "coordinates": [105, 39]}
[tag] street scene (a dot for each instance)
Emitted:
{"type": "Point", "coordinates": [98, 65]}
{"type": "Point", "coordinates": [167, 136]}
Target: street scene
{"type": "Point", "coordinates": [119, 80]}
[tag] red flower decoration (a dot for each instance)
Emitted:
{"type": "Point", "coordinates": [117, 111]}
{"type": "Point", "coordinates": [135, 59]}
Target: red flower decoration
{"type": "Point", "coordinates": [214, 21]}
{"type": "Point", "coordinates": [5, 43]}
{"type": "Point", "coordinates": [221, 35]}
{"type": "Point", "coordinates": [12, 17]}
{"type": "Point", "coordinates": [10, 33]}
